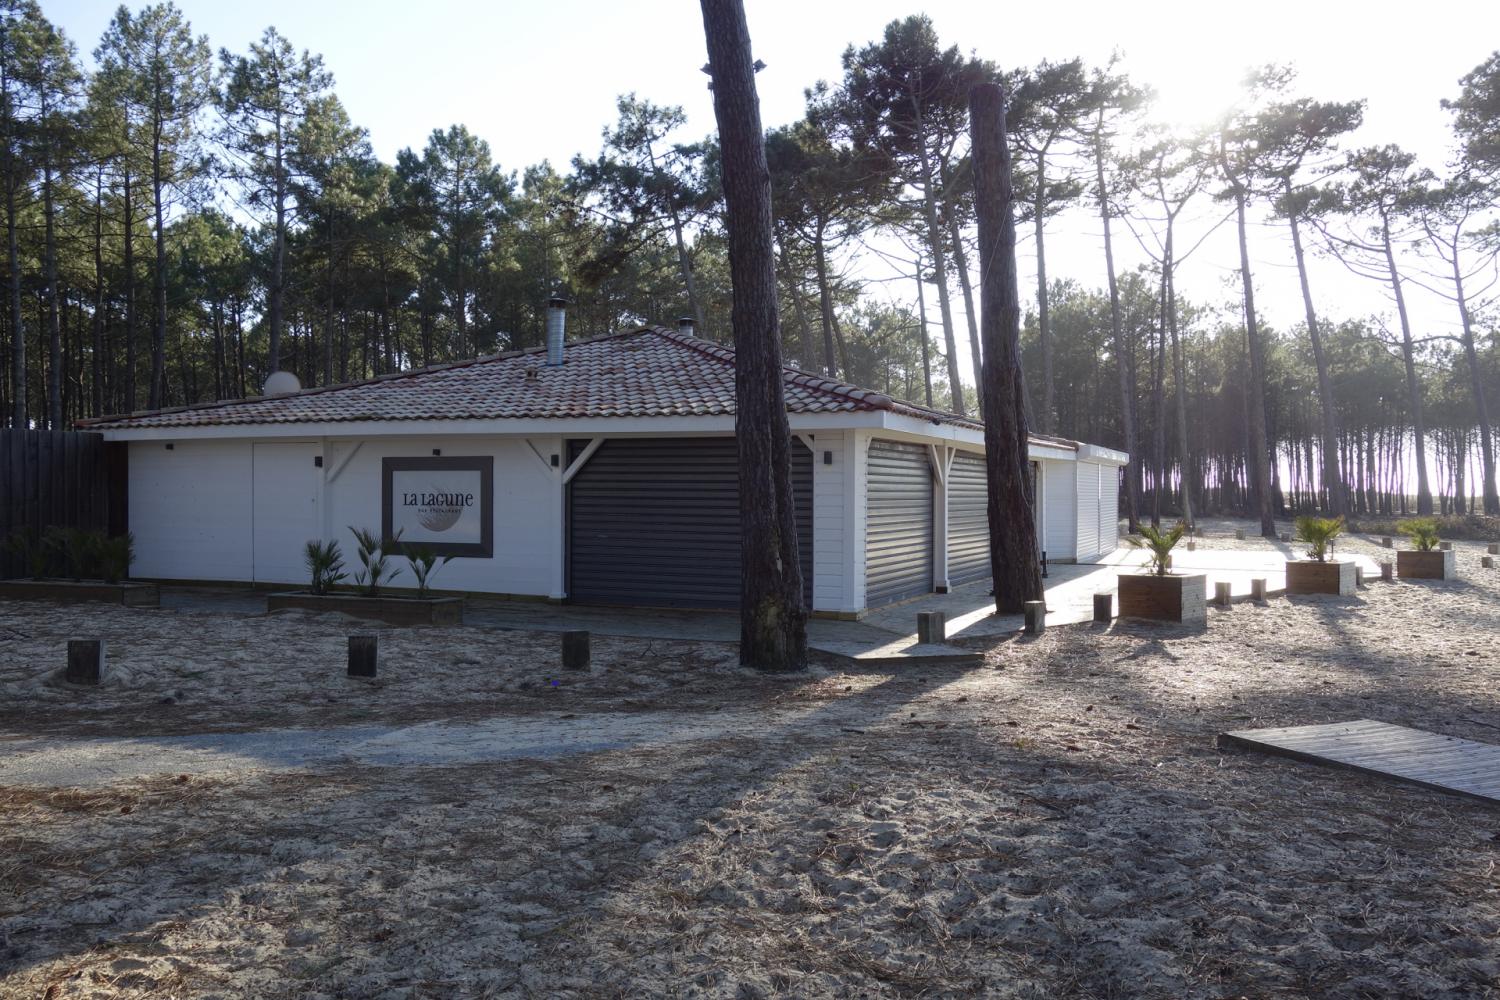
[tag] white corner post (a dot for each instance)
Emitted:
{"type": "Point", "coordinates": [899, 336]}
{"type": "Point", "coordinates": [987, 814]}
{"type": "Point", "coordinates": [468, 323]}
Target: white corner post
{"type": "Point", "coordinates": [562, 475]}
{"type": "Point", "coordinates": [856, 492]}
{"type": "Point", "coordinates": [940, 457]}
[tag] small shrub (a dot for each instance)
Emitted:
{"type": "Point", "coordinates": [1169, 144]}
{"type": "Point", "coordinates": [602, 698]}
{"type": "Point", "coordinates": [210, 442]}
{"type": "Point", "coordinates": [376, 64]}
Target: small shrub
{"type": "Point", "coordinates": [374, 559]}
{"type": "Point", "coordinates": [30, 552]}
{"type": "Point", "coordinates": [1423, 532]}
{"type": "Point", "coordinates": [1160, 544]}
{"type": "Point", "coordinates": [423, 563]}
{"type": "Point", "coordinates": [325, 563]}
{"type": "Point", "coordinates": [114, 556]}
{"type": "Point", "coordinates": [1319, 533]}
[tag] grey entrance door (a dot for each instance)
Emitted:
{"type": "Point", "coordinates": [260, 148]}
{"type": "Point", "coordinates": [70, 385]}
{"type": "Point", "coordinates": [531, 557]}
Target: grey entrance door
{"type": "Point", "coordinates": [898, 523]}
{"type": "Point", "coordinates": [654, 522]}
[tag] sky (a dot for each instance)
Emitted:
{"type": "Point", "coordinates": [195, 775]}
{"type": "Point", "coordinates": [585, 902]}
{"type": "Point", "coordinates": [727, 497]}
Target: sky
{"type": "Point", "coordinates": [539, 81]}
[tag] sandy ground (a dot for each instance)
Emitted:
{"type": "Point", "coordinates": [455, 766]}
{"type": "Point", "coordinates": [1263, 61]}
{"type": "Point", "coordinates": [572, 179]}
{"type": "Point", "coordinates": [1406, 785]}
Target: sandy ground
{"type": "Point", "coordinates": [1057, 822]}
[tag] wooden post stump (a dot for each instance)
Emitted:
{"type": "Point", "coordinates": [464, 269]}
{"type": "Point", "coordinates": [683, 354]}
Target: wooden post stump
{"type": "Point", "coordinates": [1104, 607]}
{"type": "Point", "coordinates": [575, 650]}
{"type": "Point", "coordinates": [1388, 571]}
{"type": "Point", "coordinates": [364, 652]}
{"type": "Point", "coordinates": [1359, 576]}
{"type": "Point", "coordinates": [85, 661]}
{"type": "Point", "coordinates": [1221, 594]}
{"type": "Point", "coordinates": [1258, 589]}
{"type": "Point", "coordinates": [1239, 534]}
{"type": "Point", "coordinates": [1036, 617]}
{"type": "Point", "coordinates": [1487, 562]}
{"type": "Point", "coordinates": [932, 627]}
{"type": "Point", "coordinates": [1192, 546]}
{"type": "Point", "coordinates": [1286, 536]}
{"type": "Point", "coordinates": [1494, 549]}
{"type": "Point", "coordinates": [1386, 541]}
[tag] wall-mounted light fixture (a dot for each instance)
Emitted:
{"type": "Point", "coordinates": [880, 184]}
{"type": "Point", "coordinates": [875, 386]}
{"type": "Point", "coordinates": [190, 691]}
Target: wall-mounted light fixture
{"type": "Point", "coordinates": [827, 458]}
{"type": "Point", "coordinates": [169, 446]}
{"type": "Point", "coordinates": [318, 461]}
{"type": "Point", "coordinates": [437, 451]}
{"type": "Point", "coordinates": [555, 462]}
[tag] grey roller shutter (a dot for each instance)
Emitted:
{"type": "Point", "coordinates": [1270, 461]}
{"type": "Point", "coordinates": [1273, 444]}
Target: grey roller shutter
{"type": "Point", "coordinates": [898, 523]}
{"type": "Point", "coordinates": [655, 522]}
{"type": "Point", "coordinates": [968, 520]}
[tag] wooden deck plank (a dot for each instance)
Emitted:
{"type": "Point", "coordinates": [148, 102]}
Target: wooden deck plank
{"type": "Point", "coordinates": [1431, 760]}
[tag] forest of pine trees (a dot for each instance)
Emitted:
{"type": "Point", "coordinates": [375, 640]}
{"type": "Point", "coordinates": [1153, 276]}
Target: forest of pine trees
{"type": "Point", "coordinates": [181, 222]}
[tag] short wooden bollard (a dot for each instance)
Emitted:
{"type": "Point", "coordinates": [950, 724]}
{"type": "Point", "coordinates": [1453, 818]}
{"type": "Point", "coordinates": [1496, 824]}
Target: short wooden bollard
{"type": "Point", "coordinates": [1445, 546]}
{"type": "Point", "coordinates": [1192, 546]}
{"type": "Point", "coordinates": [1036, 617]}
{"type": "Point", "coordinates": [1221, 594]}
{"type": "Point", "coordinates": [1487, 562]}
{"type": "Point", "coordinates": [1258, 589]}
{"type": "Point", "coordinates": [364, 653]}
{"type": "Point", "coordinates": [575, 650]}
{"type": "Point", "coordinates": [1104, 607]}
{"type": "Point", "coordinates": [1494, 549]}
{"type": "Point", "coordinates": [1386, 541]}
{"type": "Point", "coordinates": [85, 661]}
{"type": "Point", "coordinates": [932, 627]}
{"type": "Point", "coordinates": [1388, 571]}
{"type": "Point", "coordinates": [1359, 576]}
{"type": "Point", "coordinates": [1239, 534]}
{"type": "Point", "coordinates": [1286, 537]}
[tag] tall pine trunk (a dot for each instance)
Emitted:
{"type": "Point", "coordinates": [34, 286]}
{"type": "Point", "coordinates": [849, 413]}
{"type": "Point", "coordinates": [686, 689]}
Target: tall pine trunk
{"type": "Point", "coordinates": [1014, 552]}
{"type": "Point", "coordinates": [939, 264]}
{"type": "Point", "coordinates": [773, 620]}
{"type": "Point", "coordinates": [1117, 333]}
{"type": "Point", "coordinates": [1413, 384]}
{"type": "Point", "coordinates": [1043, 310]}
{"type": "Point", "coordinates": [1260, 465]}
{"type": "Point", "coordinates": [159, 328]}
{"type": "Point", "coordinates": [1481, 402]}
{"type": "Point", "coordinates": [961, 263]}
{"type": "Point", "coordinates": [1333, 479]}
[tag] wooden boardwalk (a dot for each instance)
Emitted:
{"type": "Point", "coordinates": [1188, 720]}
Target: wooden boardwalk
{"type": "Point", "coordinates": [1445, 763]}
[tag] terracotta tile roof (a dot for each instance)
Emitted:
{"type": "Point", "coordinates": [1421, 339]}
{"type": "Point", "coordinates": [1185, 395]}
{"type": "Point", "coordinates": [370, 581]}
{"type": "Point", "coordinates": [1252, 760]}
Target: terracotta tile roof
{"type": "Point", "coordinates": [647, 372]}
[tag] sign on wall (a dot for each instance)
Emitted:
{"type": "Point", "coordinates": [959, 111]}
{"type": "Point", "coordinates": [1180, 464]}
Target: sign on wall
{"type": "Point", "coordinates": [443, 503]}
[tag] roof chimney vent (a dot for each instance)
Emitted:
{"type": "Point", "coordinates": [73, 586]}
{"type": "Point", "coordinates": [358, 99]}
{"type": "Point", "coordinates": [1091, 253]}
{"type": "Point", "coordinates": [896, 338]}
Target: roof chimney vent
{"type": "Point", "coordinates": [557, 318]}
{"type": "Point", "coordinates": [687, 327]}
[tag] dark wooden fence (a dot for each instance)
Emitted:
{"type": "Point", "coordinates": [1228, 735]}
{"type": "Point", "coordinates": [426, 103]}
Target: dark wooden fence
{"type": "Point", "coordinates": [67, 478]}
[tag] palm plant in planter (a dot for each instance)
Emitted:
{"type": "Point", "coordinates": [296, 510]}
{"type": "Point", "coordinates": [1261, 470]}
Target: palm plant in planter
{"type": "Point", "coordinates": [423, 563]}
{"type": "Point", "coordinates": [374, 556]}
{"type": "Point", "coordinates": [1426, 561]}
{"type": "Point", "coordinates": [1161, 594]}
{"type": "Point", "coordinates": [1317, 574]}
{"type": "Point", "coordinates": [325, 564]}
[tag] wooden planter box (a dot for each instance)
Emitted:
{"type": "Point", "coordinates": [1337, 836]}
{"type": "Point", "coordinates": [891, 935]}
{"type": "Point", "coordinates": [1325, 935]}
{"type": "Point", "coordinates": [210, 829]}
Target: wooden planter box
{"type": "Point", "coordinates": [1172, 598]}
{"type": "Point", "coordinates": [391, 610]}
{"type": "Point", "coordinates": [1439, 564]}
{"type": "Point", "coordinates": [1308, 576]}
{"type": "Point", "coordinates": [133, 595]}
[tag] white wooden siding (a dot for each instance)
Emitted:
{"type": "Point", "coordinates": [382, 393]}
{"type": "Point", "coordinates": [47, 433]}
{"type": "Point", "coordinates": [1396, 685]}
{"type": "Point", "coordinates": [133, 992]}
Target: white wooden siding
{"type": "Point", "coordinates": [830, 486]}
{"type": "Point", "coordinates": [1060, 517]}
{"type": "Point", "coordinates": [1088, 511]}
{"type": "Point", "coordinates": [1109, 508]}
{"type": "Point", "coordinates": [190, 510]}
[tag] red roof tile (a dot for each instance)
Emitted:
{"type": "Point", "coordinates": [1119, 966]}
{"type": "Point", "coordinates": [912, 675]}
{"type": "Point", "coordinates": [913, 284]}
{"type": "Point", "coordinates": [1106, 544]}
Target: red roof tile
{"type": "Point", "coordinates": [648, 372]}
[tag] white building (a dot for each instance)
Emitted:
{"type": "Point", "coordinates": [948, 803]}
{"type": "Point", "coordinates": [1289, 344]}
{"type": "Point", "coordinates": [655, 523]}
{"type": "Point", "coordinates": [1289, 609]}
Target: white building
{"type": "Point", "coordinates": [608, 478]}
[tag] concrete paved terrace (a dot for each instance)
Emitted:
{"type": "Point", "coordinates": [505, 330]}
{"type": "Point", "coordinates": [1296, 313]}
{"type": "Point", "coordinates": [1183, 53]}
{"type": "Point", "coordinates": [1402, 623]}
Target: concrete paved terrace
{"type": "Point", "coordinates": [1071, 588]}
